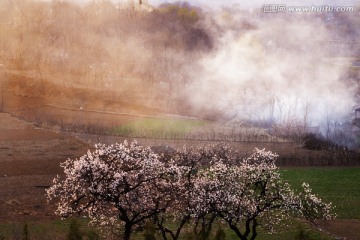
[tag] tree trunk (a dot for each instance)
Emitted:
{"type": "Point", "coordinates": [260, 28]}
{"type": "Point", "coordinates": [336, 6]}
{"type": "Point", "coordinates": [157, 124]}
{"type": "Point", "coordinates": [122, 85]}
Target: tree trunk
{"type": "Point", "coordinates": [237, 231]}
{"type": "Point", "coordinates": [161, 228]}
{"type": "Point", "coordinates": [254, 232]}
{"type": "Point", "coordinates": [174, 235]}
{"type": "Point", "coordinates": [247, 227]}
{"type": "Point", "coordinates": [184, 220]}
{"type": "Point", "coordinates": [127, 231]}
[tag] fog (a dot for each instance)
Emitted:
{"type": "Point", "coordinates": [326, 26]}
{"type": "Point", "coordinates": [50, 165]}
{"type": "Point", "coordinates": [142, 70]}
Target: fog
{"type": "Point", "coordinates": [227, 63]}
{"type": "Point", "coordinates": [279, 69]}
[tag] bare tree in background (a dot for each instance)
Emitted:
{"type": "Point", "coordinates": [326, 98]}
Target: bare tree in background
{"type": "Point", "coordinates": [307, 109]}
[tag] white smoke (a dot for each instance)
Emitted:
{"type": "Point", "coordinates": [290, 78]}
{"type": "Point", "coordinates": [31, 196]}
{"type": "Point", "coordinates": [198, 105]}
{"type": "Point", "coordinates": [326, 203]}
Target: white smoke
{"type": "Point", "coordinates": [276, 70]}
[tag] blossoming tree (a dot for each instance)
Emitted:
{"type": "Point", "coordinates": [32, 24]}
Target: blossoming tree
{"type": "Point", "coordinates": [246, 193]}
{"type": "Point", "coordinates": [253, 194]}
{"type": "Point", "coordinates": [119, 183]}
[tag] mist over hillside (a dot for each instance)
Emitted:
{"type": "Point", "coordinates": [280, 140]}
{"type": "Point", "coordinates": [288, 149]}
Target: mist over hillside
{"type": "Point", "coordinates": [229, 64]}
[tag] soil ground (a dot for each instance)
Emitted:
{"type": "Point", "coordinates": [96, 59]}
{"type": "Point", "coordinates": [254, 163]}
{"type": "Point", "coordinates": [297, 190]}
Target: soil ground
{"type": "Point", "coordinates": [29, 160]}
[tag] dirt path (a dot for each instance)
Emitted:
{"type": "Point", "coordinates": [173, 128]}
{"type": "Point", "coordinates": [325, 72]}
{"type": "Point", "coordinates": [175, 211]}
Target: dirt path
{"type": "Point", "coordinates": [29, 160]}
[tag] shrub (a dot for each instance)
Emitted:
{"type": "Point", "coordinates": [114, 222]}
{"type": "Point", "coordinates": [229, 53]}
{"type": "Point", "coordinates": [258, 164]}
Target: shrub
{"type": "Point", "coordinates": [317, 142]}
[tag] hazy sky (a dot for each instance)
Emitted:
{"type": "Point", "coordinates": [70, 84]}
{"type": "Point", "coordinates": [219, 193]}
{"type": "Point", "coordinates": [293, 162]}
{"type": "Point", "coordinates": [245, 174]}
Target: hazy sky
{"type": "Point", "coordinates": [254, 3]}
{"type": "Point", "coordinates": [260, 2]}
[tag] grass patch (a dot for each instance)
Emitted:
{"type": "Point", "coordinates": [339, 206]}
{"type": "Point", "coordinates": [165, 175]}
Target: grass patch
{"type": "Point", "coordinates": [59, 230]}
{"type": "Point", "coordinates": [337, 185]}
{"type": "Point", "coordinates": [158, 128]}
{"type": "Point", "coordinates": [43, 230]}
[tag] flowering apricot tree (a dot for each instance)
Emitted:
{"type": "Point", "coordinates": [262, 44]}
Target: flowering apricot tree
{"type": "Point", "coordinates": [253, 194]}
{"type": "Point", "coordinates": [246, 193]}
{"type": "Point", "coordinates": [120, 183]}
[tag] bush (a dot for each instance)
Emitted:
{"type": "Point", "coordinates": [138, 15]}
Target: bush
{"type": "Point", "coordinates": [317, 142]}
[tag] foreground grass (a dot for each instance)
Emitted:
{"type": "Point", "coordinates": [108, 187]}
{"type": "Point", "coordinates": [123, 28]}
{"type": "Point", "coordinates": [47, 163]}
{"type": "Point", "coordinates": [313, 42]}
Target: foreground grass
{"type": "Point", "coordinates": [158, 128]}
{"type": "Point", "coordinates": [39, 230]}
{"type": "Point", "coordinates": [337, 185]}
{"type": "Point", "coordinates": [59, 230]}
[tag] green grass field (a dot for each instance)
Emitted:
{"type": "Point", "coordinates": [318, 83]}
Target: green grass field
{"type": "Point", "coordinates": [337, 185]}
{"type": "Point", "coordinates": [158, 128]}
